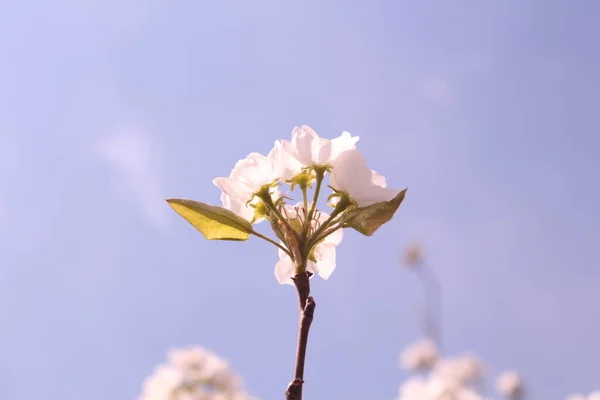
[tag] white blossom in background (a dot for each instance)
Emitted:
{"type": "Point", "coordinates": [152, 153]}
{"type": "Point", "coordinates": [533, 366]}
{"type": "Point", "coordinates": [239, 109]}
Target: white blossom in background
{"type": "Point", "coordinates": [434, 388]}
{"type": "Point", "coordinates": [194, 374]}
{"type": "Point", "coordinates": [445, 378]}
{"type": "Point", "coordinates": [462, 370]}
{"type": "Point", "coordinates": [592, 396]}
{"type": "Point", "coordinates": [440, 377]}
{"type": "Point", "coordinates": [419, 355]}
{"type": "Point", "coordinates": [509, 384]}
{"type": "Point", "coordinates": [163, 384]}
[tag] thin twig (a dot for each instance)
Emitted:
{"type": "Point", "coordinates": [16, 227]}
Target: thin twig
{"type": "Point", "coordinates": [268, 239]}
{"type": "Point", "coordinates": [433, 319]}
{"type": "Point", "coordinates": [319, 176]}
{"type": "Point", "coordinates": [307, 309]}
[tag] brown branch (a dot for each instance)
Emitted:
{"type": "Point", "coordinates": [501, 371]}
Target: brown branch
{"type": "Point", "coordinates": [307, 309]}
{"type": "Point", "coordinates": [433, 298]}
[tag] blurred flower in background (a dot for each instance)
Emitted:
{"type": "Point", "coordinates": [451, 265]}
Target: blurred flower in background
{"type": "Point", "coordinates": [194, 374]}
{"type": "Point", "coordinates": [413, 256]}
{"type": "Point", "coordinates": [591, 396]}
{"type": "Point", "coordinates": [419, 355]}
{"type": "Point", "coordinates": [509, 384]}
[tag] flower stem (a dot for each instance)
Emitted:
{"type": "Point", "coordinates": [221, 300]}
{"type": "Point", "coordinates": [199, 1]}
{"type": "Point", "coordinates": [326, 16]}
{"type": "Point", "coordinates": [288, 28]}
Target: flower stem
{"type": "Point", "coordinates": [307, 309]}
{"type": "Point", "coordinates": [268, 239]}
{"type": "Point", "coordinates": [433, 297]}
{"type": "Point", "coordinates": [317, 237]}
{"type": "Point", "coordinates": [320, 235]}
{"type": "Point", "coordinates": [304, 196]}
{"type": "Point", "coordinates": [320, 175]}
{"type": "Point", "coordinates": [266, 198]}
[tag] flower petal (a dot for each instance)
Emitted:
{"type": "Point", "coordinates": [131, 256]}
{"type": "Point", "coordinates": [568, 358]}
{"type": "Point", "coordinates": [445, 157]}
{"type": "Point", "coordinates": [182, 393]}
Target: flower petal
{"type": "Point", "coordinates": [284, 269]}
{"type": "Point", "coordinates": [336, 237]}
{"type": "Point", "coordinates": [306, 144]}
{"type": "Point", "coordinates": [342, 143]}
{"type": "Point", "coordinates": [377, 179]}
{"type": "Point", "coordinates": [238, 207]}
{"type": "Point", "coordinates": [286, 166]}
{"type": "Point", "coordinates": [325, 255]}
{"type": "Point", "coordinates": [255, 171]}
{"type": "Point", "coordinates": [375, 194]}
{"type": "Point", "coordinates": [352, 175]}
{"type": "Point", "coordinates": [233, 188]}
{"type": "Point", "coordinates": [350, 172]}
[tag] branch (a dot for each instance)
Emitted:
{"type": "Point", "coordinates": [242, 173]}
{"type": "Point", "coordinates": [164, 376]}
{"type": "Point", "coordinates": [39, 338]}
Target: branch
{"type": "Point", "coordinates": [433, 298]}
{"type": "Point", "coordinates": [307, 309]}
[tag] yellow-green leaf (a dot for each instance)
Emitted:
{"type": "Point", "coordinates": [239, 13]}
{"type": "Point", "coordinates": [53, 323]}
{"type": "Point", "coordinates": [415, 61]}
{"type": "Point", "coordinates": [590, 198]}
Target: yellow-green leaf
{"type": "Point", "coordinates": [367, 220]}
{"type": "Point", "coordinates": [215, 223]}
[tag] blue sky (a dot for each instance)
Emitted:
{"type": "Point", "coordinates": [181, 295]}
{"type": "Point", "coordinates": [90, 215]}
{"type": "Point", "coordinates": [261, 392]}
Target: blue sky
{"type": "Point", "coordinates": [486, 111]}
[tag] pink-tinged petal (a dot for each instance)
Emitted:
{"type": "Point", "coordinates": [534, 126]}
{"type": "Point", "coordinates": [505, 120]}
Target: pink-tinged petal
{"type": "Point", "coordinates": [335, 238]}
{"type": "Point", "coordinates": [352, 175]}
{"type": "Point", "coordinates": [342, 143]}
{"type": "Point", "coordinates": [238, 208]}
{"type": "Point", "coordinates": [325, 255]}
{"type": "Point", "coordinates": [285, 164]}
{"type": "Point", "coordinates": [255, 171]}
{"type": "Point", "coordinates": [284, 269]}
{"type": "Point", "coordinates": [377, 179]}
{"type": "Point", "coordinates": [350, 172]}
{"type": "Point", "coordinates": [233, 188]}
{"type": "Point", "coordinates": [321, 152]}
{"type": "Point", "coordinates": [312, 267]}
{"type": "Point", "coordinates": [240, 167]}
{"type": "Point", "coordinates": [378, 194]}
{"type": "Point", "coordinates": [304, 141]}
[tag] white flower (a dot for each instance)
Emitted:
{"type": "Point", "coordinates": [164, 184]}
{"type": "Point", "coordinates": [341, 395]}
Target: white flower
{"type": "Point", "coordinates": [434, 388]}
{"type": "Point", "coordinates": [162, 384]}
{"type": "Point", "coordinates": [352, 176]}
{"type": "Point", "coordinates": [199, 365]}
{"type": "Point", "coordinates": [462, 370]}
{"type": "Point", "coordinates": [194, 374]}
{"type": "Point", "coordinates": [594, 395]}
{"type": "Point", "coordinates": [307, 149]}
{"type": "Point", "coordinates": [324, 252]}
{"type": "Point", "coordinates": [421, 354]}
{"type": "Point", "coordinates": [509, 383]}
{"type": "Point", "coordinates": [247, 177]}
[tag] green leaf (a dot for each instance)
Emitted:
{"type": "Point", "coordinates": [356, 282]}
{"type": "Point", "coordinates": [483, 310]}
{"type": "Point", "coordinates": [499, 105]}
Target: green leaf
{"type": "Point", "coordinates": [367, 220]}
{"type": "Point", "coordinates": [215, 223]}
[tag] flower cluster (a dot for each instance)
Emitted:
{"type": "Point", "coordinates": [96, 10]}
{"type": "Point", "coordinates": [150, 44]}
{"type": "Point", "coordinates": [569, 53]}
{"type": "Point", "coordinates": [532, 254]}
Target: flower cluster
{"type": "Point", "coordinates": [419, 355]}
{"type": "Point", "coordinates": [444, 378]}
{"type": "Point", "coordinates": [194, 374]}
{"type": "Point", "coordinates": [440, 377]}
{"type": "Point", "coordinates": [450, 378]}
{"type": "Point", "coordinates": [509, 384]}
{"type": "Point", "coordinates": [307, 236]}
